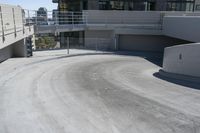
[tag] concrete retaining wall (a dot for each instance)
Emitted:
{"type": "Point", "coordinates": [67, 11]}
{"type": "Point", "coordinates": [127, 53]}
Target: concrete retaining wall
{"type": "Point", "coordinates": [13, 31]}
{"type": "Point", "coordinates": [99, 39]}
{"type": "Point", "coordinates": [183, 59]}
{"type": "Point", "coordinates": [6, 53]}
{"type": "Point", "coordinates": [152, 43]}
{"type": "Point", "coordinates": [182, 27]}
{"type": "Point", "coordinates": [17, 49]}
{"type": "Point", "coordinates": [122, 17]}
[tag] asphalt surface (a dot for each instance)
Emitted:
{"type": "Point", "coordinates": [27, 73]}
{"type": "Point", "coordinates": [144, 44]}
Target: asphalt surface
{"type": "Point", "coordinates": [93, 94]}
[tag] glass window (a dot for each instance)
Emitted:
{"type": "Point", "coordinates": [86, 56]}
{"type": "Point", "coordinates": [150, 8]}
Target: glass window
{"type": "Point", "coordinates": [126, 4]}
{"type": "Point", "coordinates": [198, 7]}
{"type": "Point", "coordinates": [180, 5]}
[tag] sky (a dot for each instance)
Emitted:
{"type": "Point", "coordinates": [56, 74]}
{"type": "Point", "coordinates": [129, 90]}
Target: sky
{"type": "Point", "coordinates": [31, 4]}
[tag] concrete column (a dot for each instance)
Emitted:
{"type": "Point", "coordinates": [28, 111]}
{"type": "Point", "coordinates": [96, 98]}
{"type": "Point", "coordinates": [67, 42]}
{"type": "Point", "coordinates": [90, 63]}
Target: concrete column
{"type": "Point", "coordinates": [19, 48]}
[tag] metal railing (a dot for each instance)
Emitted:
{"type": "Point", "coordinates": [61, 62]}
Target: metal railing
{"type": "Point", "coordinates": [13, 21]}
{"type": "Point", "coordinates": [136, 19]}
{"type": "Point", "coordinates": [55, 18]}
{"type": "Point", "coordinates": [20, 21]}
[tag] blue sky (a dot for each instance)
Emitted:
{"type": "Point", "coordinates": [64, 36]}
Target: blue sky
{"type": "Point", "coordinates": [31, 4]}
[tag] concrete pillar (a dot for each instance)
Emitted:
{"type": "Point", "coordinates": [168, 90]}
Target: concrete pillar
{"type": "Point", "coordinates": [19, 48]}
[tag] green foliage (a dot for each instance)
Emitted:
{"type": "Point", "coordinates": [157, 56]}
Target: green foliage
{"type": "Point", "coordinates": [45, 42]}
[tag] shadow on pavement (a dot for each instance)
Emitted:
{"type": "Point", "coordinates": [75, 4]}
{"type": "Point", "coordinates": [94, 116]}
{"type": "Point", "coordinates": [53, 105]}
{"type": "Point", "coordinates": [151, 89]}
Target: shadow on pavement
{"type": "Point", "coordinates": [154, 57]}
{"type": "Point", "coordinates": [185, 83]}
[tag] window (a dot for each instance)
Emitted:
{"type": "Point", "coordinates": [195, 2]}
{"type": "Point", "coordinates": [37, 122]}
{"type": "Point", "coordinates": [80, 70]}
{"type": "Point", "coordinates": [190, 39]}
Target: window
{"type": "Point", "coordinates": [127, 5]}
{"type": "Point", "coordinates": [180, 5]}
{"type": "Point", "coordinates": [198, 7]}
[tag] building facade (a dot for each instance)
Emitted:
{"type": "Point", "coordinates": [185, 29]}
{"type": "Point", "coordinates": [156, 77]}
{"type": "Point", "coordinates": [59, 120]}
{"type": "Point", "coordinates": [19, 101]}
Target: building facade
{"type": "Point", "coordinates": [129, 5]}
{"type": "Point", "coordinates": [42, 16]}
{"type": "Point", "coordinates": [159, 5]}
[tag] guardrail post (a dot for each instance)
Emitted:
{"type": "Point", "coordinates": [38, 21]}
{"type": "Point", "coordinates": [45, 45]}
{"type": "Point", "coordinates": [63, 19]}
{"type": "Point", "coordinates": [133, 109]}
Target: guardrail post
{"type": "Point", "coordinates": [96, 44]}
{"type": "Point", "coordinates": [14, 22]}
{"type": "Point", "coordinates": [3, 34]}
{"type": "Point", "coordinates": [115, 41]}
{"type": "Point", "coordinates": [162, 15]}
{"type": "Point", "coordinates": [68, 45]}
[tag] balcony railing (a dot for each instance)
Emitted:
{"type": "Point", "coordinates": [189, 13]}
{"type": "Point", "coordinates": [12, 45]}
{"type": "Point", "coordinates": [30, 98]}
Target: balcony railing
{"type": "Point", "coordinates": [97, 18]}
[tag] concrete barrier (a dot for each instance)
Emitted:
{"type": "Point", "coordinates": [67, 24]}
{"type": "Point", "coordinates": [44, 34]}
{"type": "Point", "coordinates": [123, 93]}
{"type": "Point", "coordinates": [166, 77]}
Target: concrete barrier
{"type": "Point", "coordinates": [182, 27]}
{"type": "Point", "coordinates": [182, 60]}
{"type": "Point", "coordinates": [13, 32]}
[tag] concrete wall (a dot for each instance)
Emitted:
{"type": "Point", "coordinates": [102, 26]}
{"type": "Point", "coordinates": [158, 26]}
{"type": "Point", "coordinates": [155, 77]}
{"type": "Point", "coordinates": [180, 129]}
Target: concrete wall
{"type": "Point", "coordinates": [12, 26]}
{"type": "Point", "coordinates": [122, 17]}
{"type": "Point", "coordinates": [183, 59]}
{"type": "Point", "coordinates": [6, 53]}
{"type": "Point", "coordinates": [100, 39]}
{"type": "Point", "coordinates": [13, 32]}
{"type": "Point", "coordinates": [108, 39]}
{"type": "Point", "coordinates": [151, 43]}
{"type": "Point", "coordinates": [17, 49]}
{"type": "Point", "coordinates": [182, 27]}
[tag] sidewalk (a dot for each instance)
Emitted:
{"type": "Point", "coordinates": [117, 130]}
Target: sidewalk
{"type": "Point", "coordinates": [64, 52]}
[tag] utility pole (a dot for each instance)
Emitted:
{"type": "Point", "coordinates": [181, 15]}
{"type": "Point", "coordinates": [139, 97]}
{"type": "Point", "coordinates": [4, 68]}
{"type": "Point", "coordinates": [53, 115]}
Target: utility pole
{"type": "Point", "coordinates": [67, 45]}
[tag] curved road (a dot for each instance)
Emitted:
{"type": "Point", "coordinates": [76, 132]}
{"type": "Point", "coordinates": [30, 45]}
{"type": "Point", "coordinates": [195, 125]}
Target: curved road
{"type": "Point", "coordinates": [93, 94]}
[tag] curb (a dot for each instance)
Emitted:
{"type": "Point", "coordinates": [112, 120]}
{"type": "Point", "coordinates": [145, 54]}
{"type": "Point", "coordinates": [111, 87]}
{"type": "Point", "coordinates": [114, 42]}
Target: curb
{"type": "Point", "coordinates": [181, 77]}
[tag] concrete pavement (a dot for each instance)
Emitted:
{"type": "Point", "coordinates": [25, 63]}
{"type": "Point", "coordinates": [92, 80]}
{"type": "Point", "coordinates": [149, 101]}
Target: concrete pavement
{"type": "Point", "coordinates": [93, 94]}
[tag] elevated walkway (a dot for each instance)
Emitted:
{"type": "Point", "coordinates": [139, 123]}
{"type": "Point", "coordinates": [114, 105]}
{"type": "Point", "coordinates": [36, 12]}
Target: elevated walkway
{"type": "Point", "coordinates": [41, 29]}
{"type": "Point", "coordinates": [12, 25]}
{"type": "Point", "coordinates": [181, 25]}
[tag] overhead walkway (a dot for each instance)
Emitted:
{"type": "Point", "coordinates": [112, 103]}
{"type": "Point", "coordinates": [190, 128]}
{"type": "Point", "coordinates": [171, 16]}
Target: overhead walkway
{"type": "Point", "coordinates": [100, 20]}
{"type": "Point", "coordinates": [173, 24]}
{"type": "Point", "coordinates": [42, 29]}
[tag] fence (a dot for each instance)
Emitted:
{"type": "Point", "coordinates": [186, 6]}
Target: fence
{"type": "Point", "coordinates": [55, 17]}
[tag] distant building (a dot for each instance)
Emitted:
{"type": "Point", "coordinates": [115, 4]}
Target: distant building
{"type": "Point", "coordinates": [54, 14]}
{"type": "Point", "coordinates": [42, 17]}
{"type": "Point", "coordinates": [158, 5]}
{"type": "Point", "coordinates": [42, 12]}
